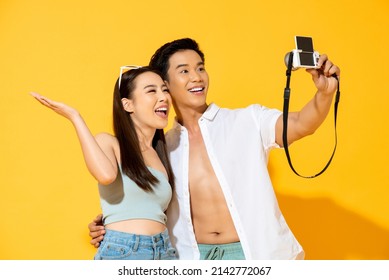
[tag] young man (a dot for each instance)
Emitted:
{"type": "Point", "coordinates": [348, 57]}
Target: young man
{"type": "Point", "coordinates": [224, 206]}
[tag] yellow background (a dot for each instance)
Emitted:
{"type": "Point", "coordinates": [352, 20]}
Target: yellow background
{"type": "Point", "coordinates": [71, 51]}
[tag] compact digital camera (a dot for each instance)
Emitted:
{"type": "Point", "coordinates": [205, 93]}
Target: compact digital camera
{"type": "Point", "coordinates": [304, 56]}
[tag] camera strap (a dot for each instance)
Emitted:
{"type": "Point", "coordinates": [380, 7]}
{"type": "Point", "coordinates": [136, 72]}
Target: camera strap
{"type": "Point", "coordinates": [285, 119]}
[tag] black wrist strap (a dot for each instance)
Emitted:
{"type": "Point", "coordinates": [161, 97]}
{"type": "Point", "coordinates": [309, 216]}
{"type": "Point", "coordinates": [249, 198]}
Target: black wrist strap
{"type": "Point", "coordinates": [285, 119]}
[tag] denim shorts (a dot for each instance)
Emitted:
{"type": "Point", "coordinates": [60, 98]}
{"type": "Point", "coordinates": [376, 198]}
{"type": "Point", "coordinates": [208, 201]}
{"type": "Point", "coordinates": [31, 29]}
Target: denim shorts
{"type": "Point", "coordinates": [119, 245]}
{"type": "Point", "coordinates": [229, 251]}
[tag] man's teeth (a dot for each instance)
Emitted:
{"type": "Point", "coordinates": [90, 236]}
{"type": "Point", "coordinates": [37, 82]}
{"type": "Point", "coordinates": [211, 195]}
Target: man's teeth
{"type": "Point", "coordinates": [196, 89]}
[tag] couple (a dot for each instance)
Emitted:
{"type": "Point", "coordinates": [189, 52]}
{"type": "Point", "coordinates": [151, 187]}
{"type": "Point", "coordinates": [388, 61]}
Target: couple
{"type": "Point", "coordinates": [223, 204]}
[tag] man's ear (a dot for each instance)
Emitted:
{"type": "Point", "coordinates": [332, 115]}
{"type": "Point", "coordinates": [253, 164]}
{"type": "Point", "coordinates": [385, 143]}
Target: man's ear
{"type": "Point", "coordinates": [128, 105]}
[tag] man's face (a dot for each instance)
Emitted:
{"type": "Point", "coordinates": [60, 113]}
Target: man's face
{"type": "Point", "coordinates": [188, 80]}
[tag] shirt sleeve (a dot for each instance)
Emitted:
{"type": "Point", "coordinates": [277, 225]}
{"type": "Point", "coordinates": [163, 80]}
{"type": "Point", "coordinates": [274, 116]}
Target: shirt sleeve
{"type": "Point", "coordinates": [265, 120]}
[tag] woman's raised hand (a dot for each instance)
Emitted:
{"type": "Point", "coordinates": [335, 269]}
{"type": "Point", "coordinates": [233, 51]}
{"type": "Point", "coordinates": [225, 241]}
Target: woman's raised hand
{"type": "Point", "coordinates": [58, 107]}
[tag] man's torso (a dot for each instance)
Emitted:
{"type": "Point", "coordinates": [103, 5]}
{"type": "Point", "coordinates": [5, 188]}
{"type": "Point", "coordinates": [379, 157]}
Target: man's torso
{"type": "Point", "coordinates": [211, 219]}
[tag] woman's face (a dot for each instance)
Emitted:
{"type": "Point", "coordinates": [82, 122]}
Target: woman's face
{"type": "Point", "coordinates": [150, 103]}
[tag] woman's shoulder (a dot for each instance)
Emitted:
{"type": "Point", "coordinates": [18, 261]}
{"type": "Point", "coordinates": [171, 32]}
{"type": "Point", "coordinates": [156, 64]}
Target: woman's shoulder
{"type": "Point", "coordinates": [105, 134]}
{"type": "Point", "coordinates": [106, 138]}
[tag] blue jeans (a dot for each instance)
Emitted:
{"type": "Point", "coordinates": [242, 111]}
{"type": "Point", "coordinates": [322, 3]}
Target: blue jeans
{"type": "Point", "coordinates": [229, 251]}
{"type": "Point", "coordinates": [119, 245]}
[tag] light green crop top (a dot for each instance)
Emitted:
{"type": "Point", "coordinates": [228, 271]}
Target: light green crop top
{"type": "Point", "coordinates": [124, 200]}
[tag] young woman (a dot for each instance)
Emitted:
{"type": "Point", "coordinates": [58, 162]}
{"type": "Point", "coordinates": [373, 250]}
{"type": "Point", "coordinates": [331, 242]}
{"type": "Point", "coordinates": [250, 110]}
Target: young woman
{"type": "Point", "coordinates": [134, 175]}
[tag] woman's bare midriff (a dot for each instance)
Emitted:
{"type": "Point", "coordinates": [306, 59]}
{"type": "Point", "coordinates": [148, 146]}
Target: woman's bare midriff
{"type": "Point", "coordinates": [137, 226]}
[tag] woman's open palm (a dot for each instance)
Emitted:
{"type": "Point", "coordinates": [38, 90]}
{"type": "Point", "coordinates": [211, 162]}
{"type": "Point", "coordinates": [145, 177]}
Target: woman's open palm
{"type": "Point", "coordinates": [58, 107]}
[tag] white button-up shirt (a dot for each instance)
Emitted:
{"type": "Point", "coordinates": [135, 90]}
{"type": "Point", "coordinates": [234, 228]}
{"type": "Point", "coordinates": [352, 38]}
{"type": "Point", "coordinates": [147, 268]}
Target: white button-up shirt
{"type": "Point", "coordinates": [238, 142]}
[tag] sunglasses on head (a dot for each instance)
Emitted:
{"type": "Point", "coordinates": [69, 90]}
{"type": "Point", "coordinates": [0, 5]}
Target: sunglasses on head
{"type": "Point", "coordinates": [124, 68]}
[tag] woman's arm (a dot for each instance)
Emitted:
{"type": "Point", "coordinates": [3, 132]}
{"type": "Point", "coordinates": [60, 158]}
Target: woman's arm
{"type": "Point", "coordinates": [99, 152]}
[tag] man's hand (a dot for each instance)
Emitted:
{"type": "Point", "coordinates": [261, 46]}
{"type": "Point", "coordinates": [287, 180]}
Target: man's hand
{"type": "Point", "coordinates": [305, 122]}
{"type": "Point", "coordinates": [323, 77]}
{"type": "Point", "coordinates": [96, 231]}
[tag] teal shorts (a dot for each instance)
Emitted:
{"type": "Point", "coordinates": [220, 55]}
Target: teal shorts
{"type": "Point", "coordinates": [229, 251]}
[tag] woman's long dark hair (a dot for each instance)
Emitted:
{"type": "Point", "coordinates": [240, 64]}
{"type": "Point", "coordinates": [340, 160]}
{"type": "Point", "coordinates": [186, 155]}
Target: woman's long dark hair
{"type": "Point", "coordinates": [132, 161]}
